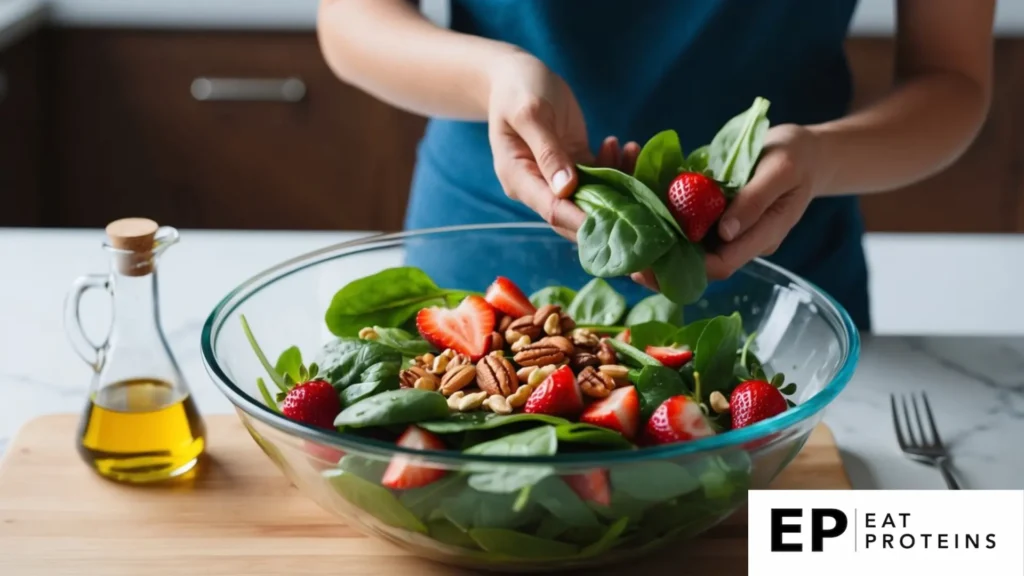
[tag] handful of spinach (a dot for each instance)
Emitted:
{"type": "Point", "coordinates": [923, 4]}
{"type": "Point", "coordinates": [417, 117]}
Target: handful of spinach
{"type": "Point", "coordinates": [629, 229]}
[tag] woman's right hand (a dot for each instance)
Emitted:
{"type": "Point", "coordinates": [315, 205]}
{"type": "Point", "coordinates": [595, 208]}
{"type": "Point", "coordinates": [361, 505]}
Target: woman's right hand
{"type": "Point", "coordinates": [538, 135]}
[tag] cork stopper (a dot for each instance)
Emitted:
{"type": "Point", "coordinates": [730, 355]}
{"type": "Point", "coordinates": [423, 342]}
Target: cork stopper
{"type": "Point", "coordinates": [135, 235]}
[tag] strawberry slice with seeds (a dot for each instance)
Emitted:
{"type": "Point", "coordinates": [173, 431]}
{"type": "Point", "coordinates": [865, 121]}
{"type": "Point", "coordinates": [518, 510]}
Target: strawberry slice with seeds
{"type": "Point", "coordinates": [557, 395]}
{"type": "Point", "coordinates": [465, 329]}
{"type": "Point", "coordinates": [754, 401]}
{"type": "Point", "coordinates": [620, 411]}
{"type": "Point", "coordinates": [403, 473]}
{"type": "Point", "coordinates": [677, 419]}
{"type": "Point", "coordinates": [506, 297]}
{"type": "Point", "coordinates": [669, 356]}
{"type": "Point", "coordinates": [591, 486]}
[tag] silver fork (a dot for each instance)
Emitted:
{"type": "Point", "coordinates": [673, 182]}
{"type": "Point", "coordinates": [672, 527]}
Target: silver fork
{"type": "Point", "coordinates": [925, 447]}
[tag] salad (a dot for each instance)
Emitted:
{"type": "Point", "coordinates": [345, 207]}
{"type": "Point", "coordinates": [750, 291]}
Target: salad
{"type": "Point", "coordinates": [562, 370]}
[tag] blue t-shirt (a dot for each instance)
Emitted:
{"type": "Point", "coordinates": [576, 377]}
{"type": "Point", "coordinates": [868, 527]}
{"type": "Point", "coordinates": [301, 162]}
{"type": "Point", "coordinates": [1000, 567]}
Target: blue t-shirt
{"type": "Point", "coordinates": [639, 67]}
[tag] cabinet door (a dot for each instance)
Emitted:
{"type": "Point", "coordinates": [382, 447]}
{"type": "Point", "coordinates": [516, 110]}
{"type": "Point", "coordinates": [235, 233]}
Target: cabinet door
{"type": "Point", "coordinates": [982, 191]}
{"type": "Point", "coordinates": [21, 134]}
{"type": "Point", "coordinates": [136, 134]}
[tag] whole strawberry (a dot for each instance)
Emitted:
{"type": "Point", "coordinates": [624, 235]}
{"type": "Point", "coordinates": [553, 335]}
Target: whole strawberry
{"type": "Point", "coordinates": [753, 401]}
{"type": "Point", "coordinates": [314, 403]}
{"type": "Point", "coordinates": [697, 202]}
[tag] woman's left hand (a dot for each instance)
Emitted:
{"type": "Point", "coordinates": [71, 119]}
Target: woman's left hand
{"type": "Point", "coordinates": [788, 175]}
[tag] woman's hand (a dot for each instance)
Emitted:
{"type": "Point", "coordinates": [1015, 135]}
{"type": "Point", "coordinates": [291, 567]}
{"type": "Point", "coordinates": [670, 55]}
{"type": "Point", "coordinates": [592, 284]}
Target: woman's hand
{"type": "Point", "coordinates": [788, 175]}
{"type": "Point", "coordinates": [538, 135]}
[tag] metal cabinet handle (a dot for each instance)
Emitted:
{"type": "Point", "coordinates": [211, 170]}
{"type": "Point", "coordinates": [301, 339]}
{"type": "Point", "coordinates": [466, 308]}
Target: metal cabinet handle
{"type": "Point", "coordinates": [248, 90]}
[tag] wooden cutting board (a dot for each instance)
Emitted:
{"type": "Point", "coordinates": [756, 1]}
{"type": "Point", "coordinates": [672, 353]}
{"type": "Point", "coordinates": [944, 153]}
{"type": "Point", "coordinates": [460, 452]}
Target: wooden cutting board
{"type": "Point", "coordinates": [240, 516]}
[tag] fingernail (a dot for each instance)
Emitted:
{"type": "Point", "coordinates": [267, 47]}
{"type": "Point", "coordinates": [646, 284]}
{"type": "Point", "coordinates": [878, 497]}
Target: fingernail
{"type": "Point", "coordinates": [729, 228]}
{"type": "Point", "coordinates": [559, 181]}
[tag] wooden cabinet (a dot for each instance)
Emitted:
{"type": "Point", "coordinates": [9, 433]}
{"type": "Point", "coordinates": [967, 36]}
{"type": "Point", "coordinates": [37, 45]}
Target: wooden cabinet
{"type": "Point", "coordinates": [21, 134]}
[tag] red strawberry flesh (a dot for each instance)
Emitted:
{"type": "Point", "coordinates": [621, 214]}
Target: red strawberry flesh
{"type": "Point", "coordinates": [506, 297]}
{"type": "Point", "coordinates": [754, 401]}
{"type": "Point", "coordinates": [591, 486]}
{"type": "Point", "coordinates": [404, 471]}
{"type": "Point", "coordinates": [671, 357]}
{"type": "Point", "coordinates": [696, 202]}
{"type": "Point", "coordinates": [677, 419]}
{"type": "Point", "coordinates": [557, 395]}
{"type": "Point", "coordinates": [315, 403]}
{"type": "Point", "coordinates": [620, 411]}
{"type": "Point", "coordinates": [465, 329]}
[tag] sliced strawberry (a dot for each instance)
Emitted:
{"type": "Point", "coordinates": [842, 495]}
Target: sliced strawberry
{"type": "Point", "coordinates": [508, 298]}
{"type": "Point", "coordinates": [753, 401]}
{"type": "Point", "coordinates": [402, 473]}
{"type": "Point", "coordinates": [315, 403]}
{"type": "Point", "coordinates": [557, 395]}
{"type": "Point", "coordinates": [620, 411]}
{"type": "Point", "coordinates": [465, 329]}
{"type": "Point", "coordinates": [623, 336]}
{"type": "Point", "coordinates": [678, 419]}
{"type": "Point", "coordinates": [591, 486]}
{"type": "Point", "coordinates": [322, 456]}
{"type": "Point", "coordinates": [669, 356]}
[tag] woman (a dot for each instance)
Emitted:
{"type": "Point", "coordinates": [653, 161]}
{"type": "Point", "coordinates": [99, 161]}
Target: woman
{"type": "Point", "coordinates": [521, 90]}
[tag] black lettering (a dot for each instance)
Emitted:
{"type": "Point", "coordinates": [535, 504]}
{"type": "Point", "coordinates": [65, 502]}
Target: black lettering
{"type": "Point", "coordinates": [904, 515]}
{"type": "Point", "coordinates": [925, 537]}
{"type": "Point", "coordinates": [869, 520]}
{"type": "Point", "coordinates": [991, 538]}
{"type": "Point", "coordinates": [903, 541]}
{"type": "Point", "coordinates": [818, 531]}
{"type": "Point", "coordinates": [886, 540]}
{"type": "Point", "coordinates": [956, 541]}
{"type": "Point", "coordinates": [943, 541]}
{"type": "Point", "coordinates": [973, 540]}
{"type": "Point", "coordinates": [869, 539]}
{"type": "Point", "coordinates": [779, 528]}
{"type": "Point", "coordinates": [888, 522]}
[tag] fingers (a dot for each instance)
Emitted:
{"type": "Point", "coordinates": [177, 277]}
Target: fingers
{"type": "Point", "coordinates": [775, 175]}
{"type": "Point", "coordinates": [762, 239]}
{"type": "Point", "coordinates": [630, 152]}
{"type": "Point", "coordinates": [534, 125]}
{"type": "Point", "coordinates": [645, 278]}
{"type": "Point", "coordinates": [608, 154]}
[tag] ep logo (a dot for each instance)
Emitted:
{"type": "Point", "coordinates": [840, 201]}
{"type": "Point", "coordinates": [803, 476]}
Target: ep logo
{"type": "Point", "coordinates": [821, 523]}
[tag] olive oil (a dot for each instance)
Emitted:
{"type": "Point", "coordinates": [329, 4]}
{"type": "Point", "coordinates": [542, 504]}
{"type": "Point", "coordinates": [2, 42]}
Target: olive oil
{"type": "Point", "coordinates": [141, 431]}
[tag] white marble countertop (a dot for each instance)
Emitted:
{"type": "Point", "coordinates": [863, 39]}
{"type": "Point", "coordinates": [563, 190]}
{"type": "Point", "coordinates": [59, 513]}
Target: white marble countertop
{"type": "Point", "coordinates": [873, 17]}
{"type": "Point", "coordinates": [976, 382]}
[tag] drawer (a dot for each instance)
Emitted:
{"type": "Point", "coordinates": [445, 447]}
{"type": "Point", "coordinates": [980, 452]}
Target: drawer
{"type": "Point", "coordinates": [222, 130]}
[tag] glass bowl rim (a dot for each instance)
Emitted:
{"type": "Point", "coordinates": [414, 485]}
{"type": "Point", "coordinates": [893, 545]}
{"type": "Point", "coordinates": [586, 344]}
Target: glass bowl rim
{"type": "Point", "coordinates": [264, 414]}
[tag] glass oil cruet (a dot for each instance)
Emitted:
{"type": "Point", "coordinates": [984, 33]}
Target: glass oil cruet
{"type": "Point", "coordinates": [140, 422]}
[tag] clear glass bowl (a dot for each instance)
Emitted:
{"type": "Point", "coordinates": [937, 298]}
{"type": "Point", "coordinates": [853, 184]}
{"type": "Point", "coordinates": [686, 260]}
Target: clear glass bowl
{"type": "Point", "coordinates": [659, 494]}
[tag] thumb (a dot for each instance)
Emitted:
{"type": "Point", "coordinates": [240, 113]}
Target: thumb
{"type": "Point", "coordinates": [554, 162]}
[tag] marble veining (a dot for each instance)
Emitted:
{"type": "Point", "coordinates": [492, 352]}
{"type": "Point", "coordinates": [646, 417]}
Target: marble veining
{"type": "Point", "coordinates": [975, 383]}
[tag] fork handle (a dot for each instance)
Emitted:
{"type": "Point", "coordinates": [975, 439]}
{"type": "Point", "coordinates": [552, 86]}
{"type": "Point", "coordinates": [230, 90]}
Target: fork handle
{"type": "Point", "coordinates": [947, 474]}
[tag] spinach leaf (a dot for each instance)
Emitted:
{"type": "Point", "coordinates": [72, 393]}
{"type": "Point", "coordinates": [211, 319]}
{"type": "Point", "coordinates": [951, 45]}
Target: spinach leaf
{"type": "Point", "coordinates": [500, 478]}
{"type": "Point", "coordinates": [382, 371]}
{"type": "Point", "coordinates": [425, 500]}
{"type": "Point", "coordinates": [736, 148]}
{"type": "Point", "coordinates": [557, 295]}
{"type": "Point", "coordinates": [290, 363]}
{"type": "Point", "coordinates": [402, 406]}
{"type": "Point", "coordinates": [653, 481]}
{"type": "Point", "coordinates": [556, 497]}
{"type": "Point", "coordinates": [344, 361]}
{"type": "Point", "coordinates": [387, 298]}
{"type": "Point", "coordinates": [656, 307]}
{"type": "Point", "coordinates": [715, 355]}
{"type": "Point", "coordinates": [480, 420]}
{"type": "Point", "coordinates": [550, 528]}
{"type": "Point", "coordinates": [697, 161]}
{"type": "Point", "coordinates": [479, 509]}
{"type": "Point", "coordinates": [357, 392]}
{"type": "Point", "coordinates": [405, 343]}
{"type": "Point", "coordinates": [445, 532]}
{"type": "Point", "coordinates": [660, 161]}
{"type": "Point", "coordinates": [623, 506]}
{"type": "Point", "coordinates": [366, 468]}
{"type": "Point", "coordinates": [689, 335]}
{"type": "Point", "coordinates": [607, 541]}
{"type": "Point", "coordinates": [653, 333]}
{"type": "Point", "coordinates": [518, 545]}
{"type": "Point", "coordinates": [618, 236]}
{"type": "Point", "coordinates": [748, 366]}
{"type": "Point", "coordinates": [635, 188]}
{"type": "Point", "coordinates": [628, 352]}
{"type": "Point", "coordinates": [597, 304]}
{"type": "Point", "coordinates": [681, 274]}
{"type": "Point", "coordinates": [275, 376]}
{"type": "Point", "coordinates": [375, 500]}
{"type": "Point", "coordinates": [657, 384]}
{"type": "Point", "coordinates": [583, 433]}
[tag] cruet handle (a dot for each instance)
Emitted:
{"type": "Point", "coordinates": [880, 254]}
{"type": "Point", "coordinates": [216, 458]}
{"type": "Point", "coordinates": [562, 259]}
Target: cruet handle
{"type": "Point", "coordinates": [91, 352]}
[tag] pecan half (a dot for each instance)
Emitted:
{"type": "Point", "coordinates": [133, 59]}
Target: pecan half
{"type": "Point", "coordinates": [606, 354]}
{"type": "Point", "coordinates": [542, 313]}
{"type": "Point", "coordinates": [583, 338]}
{"type": "Point", "coordinates": [539, 354]}
{"type": "Point", "coordinates": [495, 375]}
{"type": "Point", "coordinates": [580, 360]}
{"type": "Point", "coordinates": [595, 384]}
{"type": "Point", "coordinates": [407, 378]}
{"type": "Point", "coordinates": [457, 378]}
{"type": "Point", "coordinates": [497, 342]}
{"type": "Point", "coordinates": [523, 327]}
{"type": "Point", "coordinates": [504, 323]}
{"type": "Point", "coordinates": [459, 360]}
{"type": "Point", "coordinates": [560, 342]}
{"type": "Point", "coordinates": [568, 324]}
